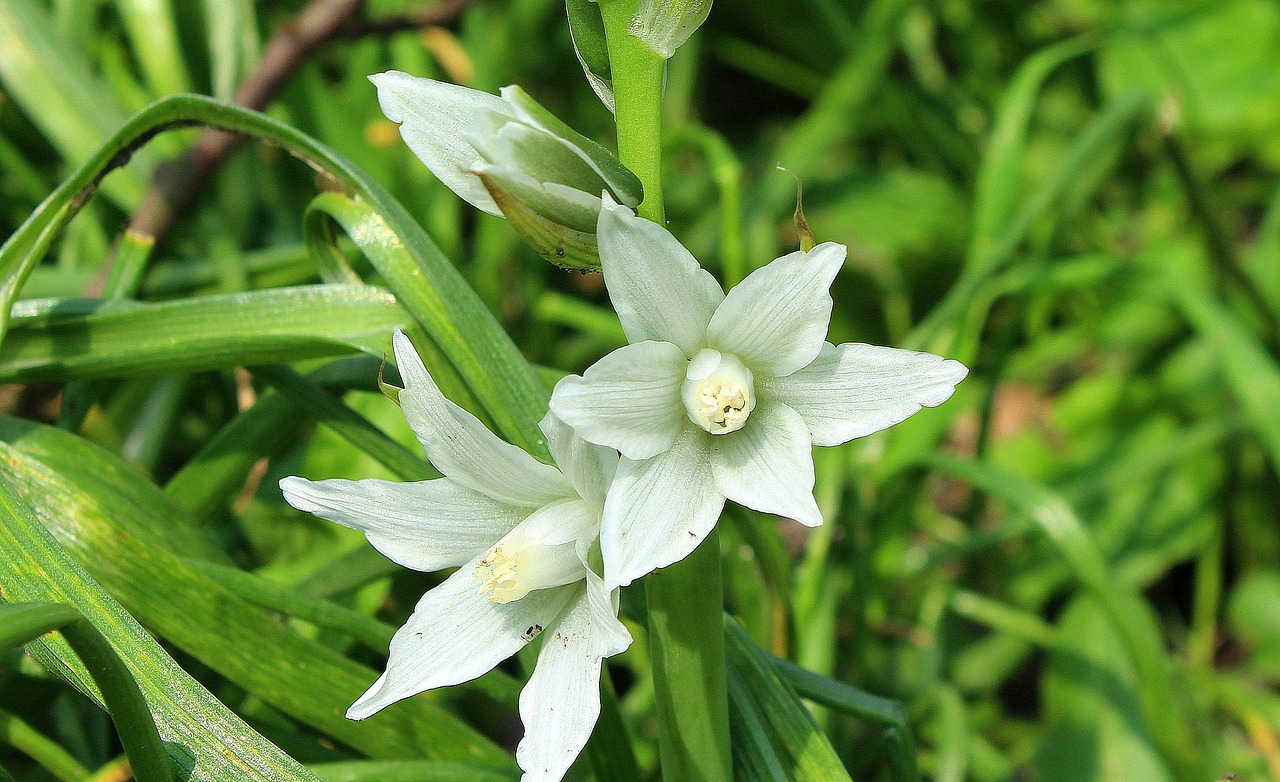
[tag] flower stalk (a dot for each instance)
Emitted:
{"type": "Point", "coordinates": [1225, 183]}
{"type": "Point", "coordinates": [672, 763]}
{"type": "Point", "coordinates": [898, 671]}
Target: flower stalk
{"type": "Point", "coordinates": [637, 93]}
{"type": "Point", "coordinates": [685, 601]}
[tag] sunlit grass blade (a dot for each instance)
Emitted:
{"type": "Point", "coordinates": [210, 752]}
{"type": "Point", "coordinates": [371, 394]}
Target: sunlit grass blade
{"type": "Point", "coordinates": [352, 426]}
{"type": "Point", "coordinates": [899, 745]}
{"type": "Point", "coordinates": [39, 747]}
{"type": "Point", "coordinates": [153, 35]}
{"type": "Point", "coordinates": [1128, 613]}
{"type": "Point", "coordinates": [59, 91]}
{"type": "Point", "coordinates": [427, 285]}
{"type": "Point", "coordinates": [1251, 373]}
{"type": "Point", "coordinates": [120, 693]}
{"type": "Point", "coordinates": [1000, 175]}
{"type": "Point", "coordinates": [214, 745]}
{"type": "Point", "coordinates": [1102, 135]}
{"type": "Point", "coordinates": [89, 338]}
{"type": "Point", "coordinates": [410, 771]}
{"type": "Point", "coordinates": [775, 738]}
{"type": "Point", "coordinates": [131, 538]}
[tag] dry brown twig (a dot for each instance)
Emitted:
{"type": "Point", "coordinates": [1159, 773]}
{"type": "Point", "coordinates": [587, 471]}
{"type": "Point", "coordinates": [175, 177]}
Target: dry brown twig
{"type": "Point", "coordinates": [176, 182]}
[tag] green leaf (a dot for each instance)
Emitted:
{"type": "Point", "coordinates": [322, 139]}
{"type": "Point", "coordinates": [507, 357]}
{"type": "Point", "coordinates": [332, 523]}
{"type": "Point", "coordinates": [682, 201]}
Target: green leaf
{"type": "Point", "coordinates": [999, 184]}
{"type": "Point", "coordinates": [775, 738]}
{"type": "Point", "coordinates": [1129, 615]}
{"type": "Point", "coordinates": [207, 739]}
{"type": "Point", "coordinates": [131, 537]}
{"type": "Point", "coordinates": [22, 623]}
{"type": "Point", "coordinates": [427, 285]}
{"type": "Point", "coordinates": [58, 90]}
{"type": "Point", "coordinates": [1177, 49]}
{"type": "Point", "coordinates": [410, 771]}
{"type": "Point", "coordinates": [1095, 727]}
{"type": "Point", "coordinates": [86, 338]}
{"type": "Point", "coordinates": [586, 27]}
{"type": "Point", "coordinates": [1251, 373]}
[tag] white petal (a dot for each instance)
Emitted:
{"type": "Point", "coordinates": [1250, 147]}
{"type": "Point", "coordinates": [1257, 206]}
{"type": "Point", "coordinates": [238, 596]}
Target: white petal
{"type": "Point", "coordinates": [437, 121]}
{"type": "Point", "coordinates": [658, 290]}
{"type": "Point", "coordinates": [628, 400]}
{"type": "Point", "coordinates": [464, 449]}
{"type": "Point", "coordinates": [659, 510]}
{"type": "Point", "coordinates": [561, 701]}
{"type": "Point", "coordinates": [855, 389]}
{"type": "Point", "coordinates": [425, 525]}
{"type": "Point", "coordinates": [589, 467]}
{"type": "Point", "coordinates": [455, 635]}
{"type": "Point", "coordinates": [768, 464]}
{"type": "Point", "coordinates": [776, 319]}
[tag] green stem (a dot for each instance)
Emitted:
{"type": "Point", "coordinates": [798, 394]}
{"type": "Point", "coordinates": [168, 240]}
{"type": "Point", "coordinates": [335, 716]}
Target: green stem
{"type": "Point", "coordinates": [685, 600]}
{"type": "Point", "coordinates": [40, 748]}
{"type": "Point", "coordinates": [686, 648]}
{"type": "Point", "coordinates": [637, 97]}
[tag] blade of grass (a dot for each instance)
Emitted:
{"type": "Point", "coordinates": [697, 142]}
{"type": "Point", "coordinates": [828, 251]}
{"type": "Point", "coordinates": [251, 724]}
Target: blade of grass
{"type": "Point", "coordinates": [427, 285]}
{"type": "Point", "coordinates": [1251, 373]}
{"type": "Point", "coordinates": [89, 338]}
{"type": "Point", "coordinates": [58, 90]}
{"type": "Point", "coordinates": [409, 771]}
{"type": "Point", "coordinates": [1125, 609]}
{"type": "Point", "coordinates": [120, 693]}
{"type": "Point", "coordinates": [129, 535]}
{"type": "Point", "coordinates": [153, 37]}
{"type": "Point", "coordinates": [34, 744]}
{"type": "Point", "coordinates": [775, 736]}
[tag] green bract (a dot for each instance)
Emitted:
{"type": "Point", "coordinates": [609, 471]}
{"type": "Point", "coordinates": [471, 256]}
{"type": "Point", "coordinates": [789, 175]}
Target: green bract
{"type": "Point", "coordinates": [510, 157]}
{"type": "Point", "coordinates": [666, 24]}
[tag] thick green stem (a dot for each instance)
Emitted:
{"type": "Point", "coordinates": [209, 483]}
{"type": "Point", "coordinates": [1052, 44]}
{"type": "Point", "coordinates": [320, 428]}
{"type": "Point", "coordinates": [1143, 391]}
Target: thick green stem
{"type": "Point", "coordinates": [685, 600]}
{"type": "Point", "coordinates": [637, 97]}
{"type": "Point", "coordinates": [686, 648]}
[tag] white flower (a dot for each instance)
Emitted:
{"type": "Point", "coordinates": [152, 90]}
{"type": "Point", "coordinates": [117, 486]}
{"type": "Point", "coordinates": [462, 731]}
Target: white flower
{"type": "Point", "coordinates": [522, 535]}
{"type": "Point", "coordinates": [723, 396]}
{"type": "Point", "coordinates": [510, 157]}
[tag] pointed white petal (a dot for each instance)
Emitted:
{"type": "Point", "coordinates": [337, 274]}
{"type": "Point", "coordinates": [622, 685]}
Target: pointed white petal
{"type": "Point", "coordinates": [589, 467]}
{"type": "Point", "coordinates": [628, 400]}
{"type": "Point", "coordinates": [776, 319]}
{"type": "Point", "coordinates": [455, 635]}
{"type": "Point", "coordinates": [659, 510]}
{"type": "Point", "coordinates": [658, 289]}
{"type": "Point", "coordinates": [438, 121]}
{"type": "Point", "coordinates": [561, 702]}
{"type": "Point", "coordinates": [768, 464]}
{"type": "Point", "coordinates": [464, 449]}
{"type": "Point", "coordinates": [426, 525]}
{"type": "Point", "coordinates": [854, 389]}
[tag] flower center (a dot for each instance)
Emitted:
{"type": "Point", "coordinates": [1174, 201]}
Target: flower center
{"type": "Point", "coordinates": [541, 552]}
{"type": "Point", "coordinates": [719, 392]}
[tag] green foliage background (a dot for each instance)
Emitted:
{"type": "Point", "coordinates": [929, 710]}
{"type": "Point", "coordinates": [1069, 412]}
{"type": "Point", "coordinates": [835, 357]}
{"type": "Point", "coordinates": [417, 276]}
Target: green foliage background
{"type": "Point", "coordinates": [1070, 571]}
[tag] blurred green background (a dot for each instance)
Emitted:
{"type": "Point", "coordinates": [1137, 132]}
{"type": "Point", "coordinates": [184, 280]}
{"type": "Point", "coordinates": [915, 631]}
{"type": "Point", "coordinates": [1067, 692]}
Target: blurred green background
{"type": "Point", "coordinates": [1070, 571]}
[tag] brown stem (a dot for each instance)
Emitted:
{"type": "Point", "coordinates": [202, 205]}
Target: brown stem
{"type": "Point", "coordinates": [177, 181]}
{"type": "Point", "coordinates": [440, 13]}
